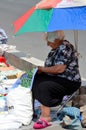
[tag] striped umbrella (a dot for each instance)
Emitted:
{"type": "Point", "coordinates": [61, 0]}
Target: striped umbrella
{"type": "Point", "coordinates": [51, 15]}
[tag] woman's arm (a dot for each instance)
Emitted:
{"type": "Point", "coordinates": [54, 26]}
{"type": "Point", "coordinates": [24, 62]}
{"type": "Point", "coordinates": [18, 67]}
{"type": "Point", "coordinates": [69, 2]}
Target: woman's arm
{"type": "Point", "coordinates": [53, 69]}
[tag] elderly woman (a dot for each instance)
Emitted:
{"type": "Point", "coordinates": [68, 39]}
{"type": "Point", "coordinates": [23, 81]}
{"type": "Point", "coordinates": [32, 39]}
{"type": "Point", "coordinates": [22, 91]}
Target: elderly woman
{"type": "Point", "coordinates": [59, 77]}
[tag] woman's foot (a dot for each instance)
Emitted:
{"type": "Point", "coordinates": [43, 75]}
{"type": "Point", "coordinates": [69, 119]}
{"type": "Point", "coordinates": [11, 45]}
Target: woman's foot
{"type": "Point", "coordinates": [44, 120]}
{"type": "Point", "coordinates": [48, 119]}
{"type": "Point", "coordinates": [41, 123]}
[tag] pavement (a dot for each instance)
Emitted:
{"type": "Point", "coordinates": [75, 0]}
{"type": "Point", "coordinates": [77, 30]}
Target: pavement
{"type": "Point", "coordinates": [55, 126]}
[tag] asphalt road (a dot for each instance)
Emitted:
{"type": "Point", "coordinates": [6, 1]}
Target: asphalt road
{"type": "Point", "coordinates": [33, 43]}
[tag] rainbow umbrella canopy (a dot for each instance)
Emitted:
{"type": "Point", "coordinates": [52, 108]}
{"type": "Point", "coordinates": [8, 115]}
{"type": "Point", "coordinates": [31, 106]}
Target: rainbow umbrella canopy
{"type": "Point", "coordinates": [51, 15]}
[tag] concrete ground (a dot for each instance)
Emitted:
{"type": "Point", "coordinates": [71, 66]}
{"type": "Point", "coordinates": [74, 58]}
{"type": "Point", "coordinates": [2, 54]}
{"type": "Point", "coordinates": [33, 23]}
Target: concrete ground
{"type": "Point", "coordinates": [55, 126]}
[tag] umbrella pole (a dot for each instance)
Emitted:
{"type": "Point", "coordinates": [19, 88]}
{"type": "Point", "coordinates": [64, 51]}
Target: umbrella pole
{"type": "Point", "coordinates": [76, 39]}
{"type": "Point", "coordinates": [76, 43]}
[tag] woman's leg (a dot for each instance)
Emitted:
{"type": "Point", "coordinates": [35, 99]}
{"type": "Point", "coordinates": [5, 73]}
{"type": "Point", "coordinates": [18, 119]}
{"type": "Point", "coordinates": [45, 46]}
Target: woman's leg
{"type": "Point", "coordinates": [45, 113]}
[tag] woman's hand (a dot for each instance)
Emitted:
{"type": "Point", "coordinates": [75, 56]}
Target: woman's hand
{"type": "Point", "coordinates": [40, 69]}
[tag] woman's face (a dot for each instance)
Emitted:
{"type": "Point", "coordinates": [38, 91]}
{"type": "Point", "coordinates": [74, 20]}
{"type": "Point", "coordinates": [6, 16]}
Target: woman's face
{"type": "Point", "coordinates": [54, 44]}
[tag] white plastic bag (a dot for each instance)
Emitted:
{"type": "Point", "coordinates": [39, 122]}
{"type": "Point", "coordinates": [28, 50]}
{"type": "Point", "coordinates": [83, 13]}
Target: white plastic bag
{"type": "Point", "coordinates": [19, 101]}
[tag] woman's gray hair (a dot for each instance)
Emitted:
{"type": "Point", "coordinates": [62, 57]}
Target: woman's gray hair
{"type": "Point", "coordinates": [51, 36]}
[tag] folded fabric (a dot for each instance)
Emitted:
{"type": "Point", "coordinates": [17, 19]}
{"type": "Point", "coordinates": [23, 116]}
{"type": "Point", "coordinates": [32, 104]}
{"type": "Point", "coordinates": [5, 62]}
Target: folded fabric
{"type": "Point", "coordinates": [71, 111]}
{"type": "Point", "coordinates": [26, 79]}
{"type": "Point", "coordinates": [74, 114]}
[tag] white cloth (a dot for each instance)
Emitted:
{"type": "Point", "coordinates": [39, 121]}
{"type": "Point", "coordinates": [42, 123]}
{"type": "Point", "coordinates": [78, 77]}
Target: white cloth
{"type": "Point", "coordinates": [51, 36]}
{"type": "Point", "coordinates": [3, 35]}
{"type": "Point", "coordinates": [8, 121]}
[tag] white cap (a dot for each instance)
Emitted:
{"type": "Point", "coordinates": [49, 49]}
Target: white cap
{"type": "Point", "coordinates": [51, 36]}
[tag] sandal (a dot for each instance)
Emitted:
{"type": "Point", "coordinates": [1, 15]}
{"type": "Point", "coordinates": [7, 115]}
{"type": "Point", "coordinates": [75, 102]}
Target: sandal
{"type": "Point", "coordinates": [41, 123]}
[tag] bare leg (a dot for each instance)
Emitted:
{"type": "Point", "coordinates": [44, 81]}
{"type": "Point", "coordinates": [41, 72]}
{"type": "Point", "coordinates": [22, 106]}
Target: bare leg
{"type": "Point", "coordinates": [45, 113]}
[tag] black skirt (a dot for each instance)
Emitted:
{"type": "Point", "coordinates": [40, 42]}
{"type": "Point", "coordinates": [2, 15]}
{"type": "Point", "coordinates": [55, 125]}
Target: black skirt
{"type": "Point", "coordinates": [49, 90]}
